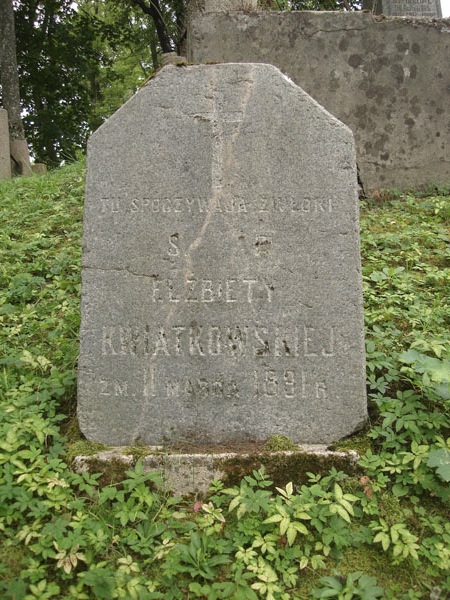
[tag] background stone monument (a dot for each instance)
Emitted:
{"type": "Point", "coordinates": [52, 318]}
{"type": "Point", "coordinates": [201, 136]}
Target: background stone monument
{"type": "Point", "coordinates": [221, 268]}
{"type": "Point", "coordinates": [229, 5]}
{"type": "Point", "coordinates": [411, 8]}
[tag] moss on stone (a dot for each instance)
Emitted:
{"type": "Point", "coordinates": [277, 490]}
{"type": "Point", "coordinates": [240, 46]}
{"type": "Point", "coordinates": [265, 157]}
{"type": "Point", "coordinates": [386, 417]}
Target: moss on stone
{"type": "Point", "coordinates": [12, 559]}
{"type": "Point", "coordinates": [83, 448]}
{"type": "Point", "coordinates": [140, 451]}
{"type": "Point", "coordinates": [71, 431]}
{"type": "Point", "coordinates": [360, 443]}
{"type": "Point", "coordinates": [277, 443]}
{"type": "Point", "coordinates": [282, 467]}
{"type": "Point", "coordinates": [112, 471]}
{"type": "Point", "coordinates": [397, 579]}
{"type": "Point", "coordinates": [77, 444]}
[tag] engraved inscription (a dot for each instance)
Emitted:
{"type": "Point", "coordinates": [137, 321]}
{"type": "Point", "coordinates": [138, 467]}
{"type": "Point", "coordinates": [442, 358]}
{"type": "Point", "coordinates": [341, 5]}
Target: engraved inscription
{"type": "Point", "coordinates": [174, 249]}
{"type": "Point", "coordinates": [287, 383]}
{"type": "Point", "coordinates": [268, 383]}
{"type": "Point", "coordinates": [296, 205]}
{"type": "Point", "coordinates": [206, 291]}
{"type": "Point", "coordinates": [234, 340]}
{"type": "Point", "coordinates": [113, 388]}
{"type": "Point", "coordinates": [419, 8]}
{"type": "Point", "coordinates": [223, 205]}
{"type": "Point", "coordinates": [200, 388]}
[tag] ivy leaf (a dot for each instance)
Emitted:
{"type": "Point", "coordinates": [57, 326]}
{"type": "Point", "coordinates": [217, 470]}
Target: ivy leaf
{"type": "Point", "coordinates": [440, 460]}
{"type": "Point", "coordinates": [399, 490]}
{"type": "Point", "coordinates": [442, 390]}
{"type": "Point", "coordinates": [434, 368]}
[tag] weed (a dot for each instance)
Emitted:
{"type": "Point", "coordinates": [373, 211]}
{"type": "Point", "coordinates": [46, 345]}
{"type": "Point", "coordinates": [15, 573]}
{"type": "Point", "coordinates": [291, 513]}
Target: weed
{"type": "Point", "coordinates": [330, 534]}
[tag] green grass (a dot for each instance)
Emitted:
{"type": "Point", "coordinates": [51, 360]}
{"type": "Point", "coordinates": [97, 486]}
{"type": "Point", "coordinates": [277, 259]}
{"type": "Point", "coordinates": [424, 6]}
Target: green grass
{"type": "Point", "coordinates": [63, 536]}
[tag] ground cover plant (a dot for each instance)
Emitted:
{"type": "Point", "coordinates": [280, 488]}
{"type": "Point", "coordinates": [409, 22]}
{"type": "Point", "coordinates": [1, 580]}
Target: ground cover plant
{"type": "Point", "coordinates": [384, 533]}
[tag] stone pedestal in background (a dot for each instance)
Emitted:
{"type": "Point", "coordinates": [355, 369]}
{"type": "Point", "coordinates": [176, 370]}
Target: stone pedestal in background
{"type": "Point", "coordinates": [39, 168]}
{"type": "Point", "coordinates": [406, 8]}
{"type": "Point", "coordinates": [229, 5]}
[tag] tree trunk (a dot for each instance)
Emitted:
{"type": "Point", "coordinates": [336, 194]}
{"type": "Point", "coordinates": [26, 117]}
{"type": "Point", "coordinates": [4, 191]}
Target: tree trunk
{"type": "Point", "coordinates": [10, 89]}
{"type": "Point", "coordinates": [153, 9]}
{"type": "Point", "coordinates": [154, 53]}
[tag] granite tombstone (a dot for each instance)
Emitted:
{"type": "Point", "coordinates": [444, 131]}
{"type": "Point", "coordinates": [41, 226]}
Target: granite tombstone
{"type": "Point", "coordinates": [221, 294]}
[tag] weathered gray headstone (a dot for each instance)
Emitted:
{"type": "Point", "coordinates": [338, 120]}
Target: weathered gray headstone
{"type": "Point", "coordinates": [221, 267]}
{"type": "Point", "coordinates": [5, 159]}
{"type": "Point", "coordinates": [411, 8]}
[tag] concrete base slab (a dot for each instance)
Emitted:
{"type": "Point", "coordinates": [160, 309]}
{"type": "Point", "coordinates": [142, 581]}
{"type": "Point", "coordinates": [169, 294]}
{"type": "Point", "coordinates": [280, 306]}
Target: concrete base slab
{"type": "Point", "coordinates": [187, 474]}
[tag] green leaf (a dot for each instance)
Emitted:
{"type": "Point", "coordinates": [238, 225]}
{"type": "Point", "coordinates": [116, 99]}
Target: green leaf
{"type": "Point", "coordinates": [107, 493]}
{"type": "Point", "coordinates": [394, 534]}
{"type": "Point", "coordinates": [384, 539]}
{"type": "Point", "coordinates": [303, 515]}
{"type": "Point", "coordinates": [410, 357]}
{"type": "Point", "coordinates": [284, 524]}
{"type": "Point", "coordinates": [291, 534]}
{"type": "Point", "coordinates": [348, 507]}
{"type": "Point", "coordinates": [440, 460]}
{"type": "Point", "coordinates": [273, 519]}
{"type": "Point", "coordinates": [343, 513]}
{"type": "Point", "coordinates": [235, 502]}
{"type": "Point", "coordinates": [399, 490]}
{"type": "Point", "coordinates": [338, 492]}
{"type": "Point", "coordinates": [442, 390]}
{"type": "Point", "coordinates": [300, 528]}
{"type": "Point", "coordinates": [370, 347]}
{"type": "Point", "coordinates": [230, 491]}
{"type": "Point", "coordinates": [332, 583]}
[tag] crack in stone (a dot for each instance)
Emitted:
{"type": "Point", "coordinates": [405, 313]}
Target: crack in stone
{"type": "Point", "coordinates": [222, 163]}
{"type": "Point", "coordinates": [337, 30]}
{"type": "Point", "coordinates": [119, 270]}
